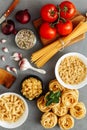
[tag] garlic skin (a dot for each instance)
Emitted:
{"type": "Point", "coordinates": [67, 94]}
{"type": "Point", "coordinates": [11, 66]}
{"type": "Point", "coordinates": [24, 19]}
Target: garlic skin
{"type": "Point", "coordinates": [24, 64]}
{"type": "Point", "coordinates": [16, 56]}
{"type": "Point", "coordinates": [5, 49]}
{"type": "Point", "coordinates": [3, 58]}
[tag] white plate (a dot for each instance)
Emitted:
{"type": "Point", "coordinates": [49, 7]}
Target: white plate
{"type": "Point", "coordinates": [76, 86]}
{"type": "Point", "coordinates": [21, 120]}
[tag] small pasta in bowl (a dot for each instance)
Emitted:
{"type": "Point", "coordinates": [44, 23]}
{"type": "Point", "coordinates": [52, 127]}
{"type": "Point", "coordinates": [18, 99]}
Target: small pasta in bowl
{"type": "Point", "coordinates": [31, 87]}
{"type": "Point", "coordinates": [71, 70]}
{"type": "Point", "coordinates": [13, 110]}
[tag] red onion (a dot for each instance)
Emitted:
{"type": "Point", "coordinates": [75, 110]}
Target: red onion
{"type": "Point", "coordinates": [8, 27]}
{"type": "Point", "coordinates": [22, 16]}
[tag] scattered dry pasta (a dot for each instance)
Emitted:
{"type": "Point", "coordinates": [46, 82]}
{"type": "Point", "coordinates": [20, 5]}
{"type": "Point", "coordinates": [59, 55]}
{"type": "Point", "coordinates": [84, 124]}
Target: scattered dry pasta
{"type": "Point", "coordinates": [41, 104]}
{"type": "Point", "coordinates": [72, 70]}
{"type": "Point", "coordinates": [66, 122]}
{"type": "Point", "coordinates": [48, 120]}
{"type": "Point", "coordinates": [31, 88]}
{"type": "Point", "coordinates": [78, 111]}
{"type": "Point", "coordinates": [11, 108]}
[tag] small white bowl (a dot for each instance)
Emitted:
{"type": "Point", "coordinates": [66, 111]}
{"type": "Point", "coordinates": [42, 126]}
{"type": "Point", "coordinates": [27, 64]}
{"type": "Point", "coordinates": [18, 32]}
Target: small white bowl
{"type": "Point", "coordinates": [76, 86]}
{"type": "Point", "coordinates": [21, 120]}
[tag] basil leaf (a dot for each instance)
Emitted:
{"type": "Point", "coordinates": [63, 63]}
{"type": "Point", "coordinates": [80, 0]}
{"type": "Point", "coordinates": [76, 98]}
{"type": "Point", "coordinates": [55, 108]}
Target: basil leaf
{"type": "Point", "coordinates": [53, 97]}
{"type": "Point", "coordinates": [49, 102]}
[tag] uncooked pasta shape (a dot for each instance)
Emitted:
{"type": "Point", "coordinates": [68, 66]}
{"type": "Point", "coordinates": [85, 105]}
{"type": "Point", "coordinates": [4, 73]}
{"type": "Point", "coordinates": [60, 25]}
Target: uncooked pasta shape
{"type": "Point", "coordinates": [70, 98]}
{"type": "Point", "coordinates": [60, 109]}
{"type": "Point", "coordinates": [54, 85]}
{"type": "Point", "coordinates": [66, 122]}
{"type": "Point", "coordinates": [78, 111]}
{"type": "Point", "coordinates": [48, 120]}
{"type": "Point", "coordinates": [41, 104]}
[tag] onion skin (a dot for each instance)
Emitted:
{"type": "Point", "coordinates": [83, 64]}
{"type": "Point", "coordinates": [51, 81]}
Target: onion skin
{"type": "Point", "coordinates": [23, 16]}
{"type": "Point", "coordinates": [8, 27]}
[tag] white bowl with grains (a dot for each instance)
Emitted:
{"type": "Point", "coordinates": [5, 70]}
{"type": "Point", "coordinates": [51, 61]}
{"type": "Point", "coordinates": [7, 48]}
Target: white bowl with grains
{"type": "Point", "coordinates": [71, 70]}
{"type": "Point", "coordinates": [13, 110]}
{"type": "Point", "coordinates": [25, 39]}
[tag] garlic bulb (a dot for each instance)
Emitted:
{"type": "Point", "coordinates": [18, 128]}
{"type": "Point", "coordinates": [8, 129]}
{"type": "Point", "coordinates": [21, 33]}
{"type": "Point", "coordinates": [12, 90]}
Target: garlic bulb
{"type": "Point", "coordinates": [16, 56]}
{"type": "Point", "coordinates": [24, 64]}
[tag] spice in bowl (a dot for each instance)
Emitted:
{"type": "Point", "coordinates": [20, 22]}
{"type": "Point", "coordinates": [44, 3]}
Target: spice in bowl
{"type": "Point", "coordinates": [25, 39]}
{"type": "Point", "coordinates": [71, 70]}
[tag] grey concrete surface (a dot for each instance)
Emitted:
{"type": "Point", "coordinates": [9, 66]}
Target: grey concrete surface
{"type": "Point", "coordinates": [33, 121]}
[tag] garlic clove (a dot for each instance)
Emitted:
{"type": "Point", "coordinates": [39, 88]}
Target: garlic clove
{"type": "Point", "coordinates": [24, 64]}
{"type": "Point", "coordinates": [5, 49]}
{"type": "Point", "coordinates": [16, 56]}
{"type": "Point", "coordinates": [14, 70]}
{"type": "Point", "coordinates": [3, 58]}
{"type": "Point", "coordinates": [2, 41]}
{"type": "Point", "coordinates": [8, 68]}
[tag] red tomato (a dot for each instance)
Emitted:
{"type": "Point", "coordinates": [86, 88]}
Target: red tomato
{"type": "Point", "coordinates": [46, 31]}
{"type": "Point", "coordinates": [49, 13]}
{"type": "Point", "coordinates": [68, 9]}
{"type": "Point", "coordinates": [64, 28]}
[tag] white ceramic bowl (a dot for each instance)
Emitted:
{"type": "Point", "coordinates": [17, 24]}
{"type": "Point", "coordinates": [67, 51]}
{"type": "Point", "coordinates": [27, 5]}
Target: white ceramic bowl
{"type": "Point", "coordinates": [21, 120]}
{"type": "Point", "coordinates": [76, 86]}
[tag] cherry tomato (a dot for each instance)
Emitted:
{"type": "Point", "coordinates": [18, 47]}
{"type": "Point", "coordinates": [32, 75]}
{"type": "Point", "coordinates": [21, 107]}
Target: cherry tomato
{"type": "Point", "coordinates": [49, 13]}
{"type": "Point", "coordinates": [64, 28]}
{"type": "Point", "coordinates": [46, 31]}
{"type": "Point", "coordinates": [68, 9]}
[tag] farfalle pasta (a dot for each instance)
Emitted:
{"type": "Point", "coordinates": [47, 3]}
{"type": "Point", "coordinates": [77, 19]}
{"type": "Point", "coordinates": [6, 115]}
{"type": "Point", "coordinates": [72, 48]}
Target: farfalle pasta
{"type": "Point", "coordinates": [66, 122]}
{"type": "Point", "coordinates": [41, 104]}
{"type": "Point", "coordinates": [48, 120]}
{"type": "Point", "coordinates": [70, 98]}
{"type": "Point", "coordinates": [78, 111]}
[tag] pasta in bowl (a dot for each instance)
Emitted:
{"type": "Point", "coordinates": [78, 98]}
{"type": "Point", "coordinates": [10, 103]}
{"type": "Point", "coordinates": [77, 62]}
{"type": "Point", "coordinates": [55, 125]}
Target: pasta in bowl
{"type": "Point", "coordinates": [71, 70]}
{"type": "Point", "coordinates": [13, 110]}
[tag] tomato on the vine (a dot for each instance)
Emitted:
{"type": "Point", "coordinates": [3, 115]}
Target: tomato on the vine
{"type": "Point", "coordinates": [67, 9]}
{"type": "Point", "coordinates": [46, 31]}
{"type": "Point", "coordinates": [49, 13]}
{"type": "Point", "coordinates": [64, 28]}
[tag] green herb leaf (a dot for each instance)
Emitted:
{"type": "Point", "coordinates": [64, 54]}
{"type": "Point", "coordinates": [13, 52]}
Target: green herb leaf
{"type": "Point", "coordinates": [53, 97]}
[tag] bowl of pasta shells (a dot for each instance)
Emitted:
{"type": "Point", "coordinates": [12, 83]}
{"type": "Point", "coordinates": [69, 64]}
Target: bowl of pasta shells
{"type": "Point", "coordinates": [71, 70]}
{"type": "Point", "coordinates": [13, 110]}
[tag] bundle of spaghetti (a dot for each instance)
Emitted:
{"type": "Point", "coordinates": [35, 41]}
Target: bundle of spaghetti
{"type": "Point", "coordinates": [43, 55]}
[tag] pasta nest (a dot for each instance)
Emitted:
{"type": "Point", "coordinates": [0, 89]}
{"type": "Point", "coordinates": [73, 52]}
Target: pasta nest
{"type": "Point", "coordinates": [48, 120]}
{"type": "Point", "coordinates": [54, 85]}
{"type": "Point", "coordinates": [78, 111]}
{"type": "Point", "coordinates": [70, 98]}
{"type": "Point", "coordinates": [66, 122]}
{"type": "Point", "coordinates": [60, 109]}
{"type": "Point", "coordinates": [41, 104]}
